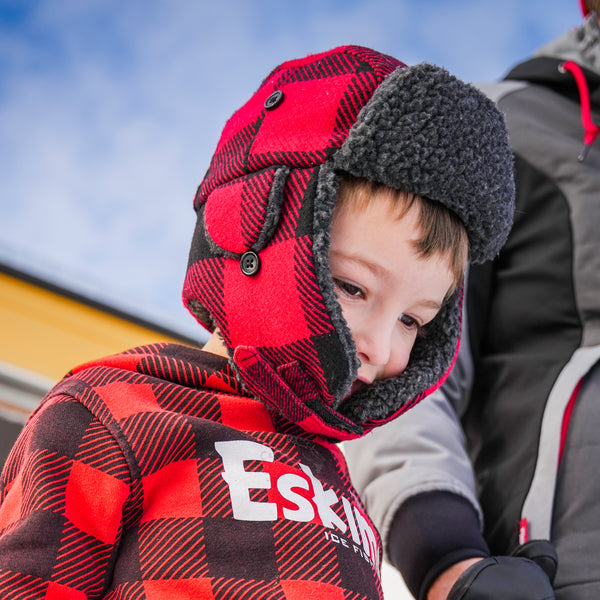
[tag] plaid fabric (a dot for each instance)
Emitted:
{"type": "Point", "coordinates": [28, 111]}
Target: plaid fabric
{"type": "Point", "coordinates": [259, 195]}
{"type": "Point", "coordinates": [149, 475]}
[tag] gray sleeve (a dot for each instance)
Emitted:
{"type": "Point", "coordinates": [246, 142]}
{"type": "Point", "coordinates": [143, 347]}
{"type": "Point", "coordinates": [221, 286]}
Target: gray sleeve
{"type": "Point", "coordinates": [423, 450]}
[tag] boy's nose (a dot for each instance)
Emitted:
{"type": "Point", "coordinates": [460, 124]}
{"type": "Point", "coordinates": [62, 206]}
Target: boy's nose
{"type": "Point", "coordinates": [375, 343]}
{"type": "Point", "coordinates": [382, 347]}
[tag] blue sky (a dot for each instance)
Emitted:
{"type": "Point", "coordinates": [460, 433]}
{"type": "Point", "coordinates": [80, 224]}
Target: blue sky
{"type": "Point", "coordinates": [110, 111]}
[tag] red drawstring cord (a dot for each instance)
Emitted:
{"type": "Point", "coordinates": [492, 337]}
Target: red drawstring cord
{"type": "Point", "coordinates": [591, 129]}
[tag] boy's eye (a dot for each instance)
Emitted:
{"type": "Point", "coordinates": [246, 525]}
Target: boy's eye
{"type": "Point", "coordinates": [412, 323]}
{"type": "Point", "coordinates": [409, 322]}
{"type": "Point", "coordinates": [348, 289]}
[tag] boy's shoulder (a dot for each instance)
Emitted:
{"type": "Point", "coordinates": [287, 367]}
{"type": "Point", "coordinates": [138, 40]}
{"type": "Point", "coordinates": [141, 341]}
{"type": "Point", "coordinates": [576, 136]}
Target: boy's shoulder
{"type": "Point", "coordinates": [148, 379]}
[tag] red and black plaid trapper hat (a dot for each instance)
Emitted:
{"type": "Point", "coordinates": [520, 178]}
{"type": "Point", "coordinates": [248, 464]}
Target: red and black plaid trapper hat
{"type": "Point", "coordinates": [258, 266]}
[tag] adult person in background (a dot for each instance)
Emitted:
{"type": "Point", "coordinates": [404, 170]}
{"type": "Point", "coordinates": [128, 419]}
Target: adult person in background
{"type": "Point", "coordinates": [508, 450]}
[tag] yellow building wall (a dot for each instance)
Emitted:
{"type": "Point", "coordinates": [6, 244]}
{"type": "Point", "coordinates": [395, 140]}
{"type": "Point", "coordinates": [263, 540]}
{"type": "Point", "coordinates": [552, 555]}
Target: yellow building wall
{"type": "Point", "coordinates": [48, 333]}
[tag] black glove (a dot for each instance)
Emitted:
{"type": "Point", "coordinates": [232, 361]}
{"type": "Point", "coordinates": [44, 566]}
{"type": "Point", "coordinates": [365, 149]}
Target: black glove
{"type": "Point", "coordinates": [525, 575]}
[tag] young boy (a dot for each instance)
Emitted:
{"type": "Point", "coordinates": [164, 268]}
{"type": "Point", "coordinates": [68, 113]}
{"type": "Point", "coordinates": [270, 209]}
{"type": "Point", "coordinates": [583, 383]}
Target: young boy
{"type": "Point", "coordinates": [330, 245]}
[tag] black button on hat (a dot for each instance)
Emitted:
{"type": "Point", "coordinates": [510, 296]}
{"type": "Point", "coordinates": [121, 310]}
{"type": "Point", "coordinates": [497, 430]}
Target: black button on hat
{"type": "Point", "coordinates": [250, 263]}
{"type": "Point", "coordinates": [274, 100]}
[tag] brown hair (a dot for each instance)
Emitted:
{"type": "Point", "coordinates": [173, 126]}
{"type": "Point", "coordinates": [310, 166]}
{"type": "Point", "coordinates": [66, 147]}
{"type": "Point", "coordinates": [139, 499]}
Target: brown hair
{"type": "Point", "coordinates": [441, 230]}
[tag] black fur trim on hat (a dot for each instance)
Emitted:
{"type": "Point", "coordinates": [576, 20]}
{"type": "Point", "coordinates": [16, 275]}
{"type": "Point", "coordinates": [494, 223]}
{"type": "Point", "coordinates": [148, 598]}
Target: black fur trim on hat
{"type": "Point", "coordinates": [326, 197]}
{"type": "Point", "coordinates": [425, 131]}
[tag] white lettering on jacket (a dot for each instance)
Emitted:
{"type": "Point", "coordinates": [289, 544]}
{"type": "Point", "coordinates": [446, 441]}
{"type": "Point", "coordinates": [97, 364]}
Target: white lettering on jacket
{"type": "Point", "coordinates": [316, 504]}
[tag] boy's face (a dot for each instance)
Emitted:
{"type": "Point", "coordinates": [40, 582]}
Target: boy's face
{"type": "Point", "coordinates": [387, 292]}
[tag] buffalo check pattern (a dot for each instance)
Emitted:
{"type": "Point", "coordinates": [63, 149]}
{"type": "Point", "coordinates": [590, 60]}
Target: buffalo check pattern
{"type": "Point", "coordinates": [124, 485]}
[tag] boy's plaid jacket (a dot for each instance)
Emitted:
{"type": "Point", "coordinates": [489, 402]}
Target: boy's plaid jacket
{"type": "Point", "coordinates": [149, 475]}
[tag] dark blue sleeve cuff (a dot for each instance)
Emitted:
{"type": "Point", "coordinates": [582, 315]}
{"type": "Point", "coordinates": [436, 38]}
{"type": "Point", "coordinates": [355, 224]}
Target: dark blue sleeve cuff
{"type": "Point", "coordinates": [431, 532]}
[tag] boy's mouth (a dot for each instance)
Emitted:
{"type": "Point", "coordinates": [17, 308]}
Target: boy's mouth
{"type": "Point", "coordinates": [357, 386]}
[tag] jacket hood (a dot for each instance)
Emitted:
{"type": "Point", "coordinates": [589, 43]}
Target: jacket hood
{"type": "Point", "coordinates": [570, 66]}
{"type": "Point", "coordinates": [579, 44]}
{"type": "Point", "coordinates": [258, 265]}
